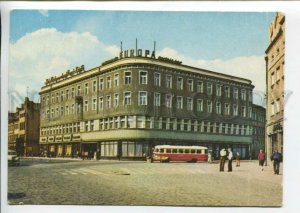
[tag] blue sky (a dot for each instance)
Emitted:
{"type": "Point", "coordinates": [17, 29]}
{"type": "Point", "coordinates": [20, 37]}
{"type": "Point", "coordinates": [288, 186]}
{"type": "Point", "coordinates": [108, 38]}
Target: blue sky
{"type": "Point", "coordinates": [49, 42]}
{"type": "Point", "coordinates": [206, 34]}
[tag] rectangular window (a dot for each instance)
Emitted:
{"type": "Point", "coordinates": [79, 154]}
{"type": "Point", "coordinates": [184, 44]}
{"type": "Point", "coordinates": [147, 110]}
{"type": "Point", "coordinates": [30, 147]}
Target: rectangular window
{"type": "Point", "coordinates": [272, 79]}
{"type": "Point", "coordinates": [218, 90]}
{"type": "Point", "coordinates": [62, 95]}
{"type": "Point", "coordinates": [94, 104]}
{"type": "Point", "coordinates": [179, 102]}
{"type": "Point", "coordinates": [73, 92]}
{"type": "Point", "coordinates": [116, 99]}
{"type": "Point", "coordinates": [200, 86]}
{"type": "Point", "coordinates": [116, 80]}
{"type": "Point", "coordinates": [52, 113]}
{"type": "Point", "coordinates": [218, 108]}
{"type": "Point", "coordinates": [140, 121]}
{"type": "Point", "coordinates": [190, 85]}
{"type": "Point", "coordinates": [100, 103]}
{"type": "Point", "coordinates": [67, 94]}
{"type": "Point", "coordinates": [180, 83]}
{"type": "Point", "coordinates": [101, 83]}
{"type": "Point", "coordinates": [127, 77]}
{"type": "Point", "coordinates": [127, 98]}
{"type": "Point", "coordinates": [199, 105]}
{"type": "Point", "coordinates": [78, 90]}
{"type": "Point", "coordinates": [61, 111]}
{"type": "Point", "coordinates": [52, 98]}
{"type": "Point", "coordinates": [94, 86]}
{"type": "Point", "coordinates": [189, 104]}
{"type": "Point", "coordinates": [235, 109]}
{"type": "Point", "coordinates": [157, 79]}
{"type": "Point", "coordinates": [273, 108]}
{"type": "Point", "coordinates": [169, 81]}
{"type": "Point", "coordinates": [209, 106]}
{"type": "Point", "coordinates": [250, 96]}
{"type": "Point", "coordinates": [86, 106]}
{"type": "Point", "coordinates": [235, 93]}
{"type": "Point", "coordinates": [91, 125]}
{"type": "Point", "coordinates": [243, 111]}
{"type": "Point", "coordinates": [67, 110]}
{"type": "Point", "coordinates": [108, 101]}
{"type": "Point", "coordinates": [209, 89]}
{"type": "Point", "coordinates": [243, 94]}
{"type": "Point", "coordinates": [277, 106]}
{"type": "Point", "coordinates": [278, 73]}
{"type": "Point", "coordinates": [86, 88]}
{"type": "Point", "coordinates": [156, 99]}
{"type": "Point", "coordinates": [108, 82]}
{"type": "Point", "coordinates": [143, 77]}
{"type": "Point", "coordinates": [73, 109]}
{"type": "Point", "coordinates": [227, 92]}
{"type": "Point", "coordinates": [250, 112]}
{"type": "Point", "coordinates": [168, 101]}
{"type": "Point", "coordinates": [227, 109]}
{"type": "Point", "coordinates": [142, 98]}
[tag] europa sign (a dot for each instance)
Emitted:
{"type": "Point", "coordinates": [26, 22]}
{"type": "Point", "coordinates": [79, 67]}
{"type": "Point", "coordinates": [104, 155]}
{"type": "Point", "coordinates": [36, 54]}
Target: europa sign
{"type": "Point", "coordinates": [137, 52]}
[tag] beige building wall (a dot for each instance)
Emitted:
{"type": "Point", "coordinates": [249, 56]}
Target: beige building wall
{"type": "Point", "coordinates": [275, 85]}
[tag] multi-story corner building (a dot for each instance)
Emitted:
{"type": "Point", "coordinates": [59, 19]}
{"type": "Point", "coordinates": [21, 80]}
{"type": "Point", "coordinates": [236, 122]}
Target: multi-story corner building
{"type": "Point", "coordinates": [129, 104]}
{"type": "Point", "coordinates": [23, 128]}
{"type": "Point", "coordinates": [275, 85]}
{"type": "Point", "coordinates": [259, 125]}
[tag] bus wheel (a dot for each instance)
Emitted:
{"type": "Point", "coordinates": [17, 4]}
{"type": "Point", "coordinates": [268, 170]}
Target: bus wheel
{"type": "Point", "coordinates": [194, 160]}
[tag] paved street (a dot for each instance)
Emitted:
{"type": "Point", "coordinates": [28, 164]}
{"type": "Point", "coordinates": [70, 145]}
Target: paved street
{"type": "Point", "coordinates": [140, 183]}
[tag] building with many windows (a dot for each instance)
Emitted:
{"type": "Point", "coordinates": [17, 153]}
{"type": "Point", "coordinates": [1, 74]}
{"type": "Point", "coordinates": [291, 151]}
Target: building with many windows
{"type": "Point", "coordinates": [129, 104]}
{"type": "Point", "coordinates": [275, 85]}
{"type": "Point", "coordinates": [23, 128]}
{"type": "Point", "coordinates": [258, 133]}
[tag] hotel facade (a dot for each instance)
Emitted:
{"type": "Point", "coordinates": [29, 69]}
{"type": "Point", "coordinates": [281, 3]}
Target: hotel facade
{"type": "Point", "coordinates": [129, 104]}
{"type": "Point", "coordinates": [275, 85]}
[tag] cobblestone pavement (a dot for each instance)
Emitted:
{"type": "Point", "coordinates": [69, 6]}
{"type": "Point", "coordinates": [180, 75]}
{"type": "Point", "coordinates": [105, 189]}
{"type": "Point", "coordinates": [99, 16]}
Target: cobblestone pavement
{"type": "Point", "coordinates": [141, 183]}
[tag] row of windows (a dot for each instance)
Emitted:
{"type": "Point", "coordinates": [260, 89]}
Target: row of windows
{"type": "Point", "coordinates": [143, 79]}
{"type": "Point", "coordinates": [275, 107]}
{"type": "Point", "coordinates": [113, 101]}
{"type": "Point", "coordinates": [276, 75]}
{"type": "Point", "coordinates": [143, 122]}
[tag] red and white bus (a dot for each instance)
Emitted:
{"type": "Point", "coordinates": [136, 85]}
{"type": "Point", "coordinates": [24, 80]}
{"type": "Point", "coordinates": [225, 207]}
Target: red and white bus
{"type": "Point", "coordinates": [166, 153]}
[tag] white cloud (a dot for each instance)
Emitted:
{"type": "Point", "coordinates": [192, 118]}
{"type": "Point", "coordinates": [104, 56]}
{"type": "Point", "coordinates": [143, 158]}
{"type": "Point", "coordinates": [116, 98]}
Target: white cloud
{"type": "Point", "coordinates": [44, 12]}
{"type": "Point", "coordinates": [48, 52]}
{"type": "Point", "coordinates": [252, 68]}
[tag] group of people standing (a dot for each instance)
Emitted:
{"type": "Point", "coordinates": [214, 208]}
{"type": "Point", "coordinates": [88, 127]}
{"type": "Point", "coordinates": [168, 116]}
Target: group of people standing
{"type": "Point", "coordinates": [276, 157]}
{"type": "Point", "coordinates": [226, 154]}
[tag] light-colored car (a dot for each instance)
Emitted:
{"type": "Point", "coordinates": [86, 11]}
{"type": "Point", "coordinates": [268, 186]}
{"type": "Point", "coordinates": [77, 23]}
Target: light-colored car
{"type": "Point", "coordinates": [13, 158]}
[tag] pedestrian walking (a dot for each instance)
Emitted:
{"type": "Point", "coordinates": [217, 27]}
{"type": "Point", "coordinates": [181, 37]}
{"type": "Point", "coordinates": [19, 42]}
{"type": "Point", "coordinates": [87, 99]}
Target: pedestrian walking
{"type": "Point", "coordinates": [276, 157]}
{"type": "Point", "coordinates": [238, 159]}
{"type": "Point", "coordinates": [230, 158]}
{"type": "Point", "coordinates": [261, 159]}
{"type": "Point", "coordinates": [222, 159]}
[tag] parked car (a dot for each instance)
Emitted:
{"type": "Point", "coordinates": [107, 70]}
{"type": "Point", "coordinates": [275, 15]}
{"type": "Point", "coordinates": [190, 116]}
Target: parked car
{"type": "Point", "coordinates": [13, 159]}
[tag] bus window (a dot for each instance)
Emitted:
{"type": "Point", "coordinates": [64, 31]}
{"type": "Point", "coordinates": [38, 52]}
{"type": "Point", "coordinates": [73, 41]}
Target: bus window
{"type": "Point", "coordinates": [168, 150]}
{"type": "Point", "coordinates": [161, 151]}
{"type": "Point", "coordinates": [193, 151]}
{"type": "Point", "coordinates": [156, 150]}
{"type": "Point", "coordinates": [186, 151]}
{"type": "Point", "coordinates": [174, 150]}
{"type": "Point", "coordinates": [198, 151]}
{"type": "Point", "coordinates": [180, 150]}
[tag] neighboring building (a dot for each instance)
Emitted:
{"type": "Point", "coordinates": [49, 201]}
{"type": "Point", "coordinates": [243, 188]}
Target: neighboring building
{"type": "Point", "coordinates": [275, 85]}
{"type": "Point", "coordinates": [23, 129]}
{"type": "Point", "coordinates": [128, 105]}
{"type": "Point", "coordinates": [259, 125]}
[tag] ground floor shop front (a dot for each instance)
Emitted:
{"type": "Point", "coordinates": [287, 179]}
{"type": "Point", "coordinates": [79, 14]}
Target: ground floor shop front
{"type": "Point", "coordinates": [130, 150]}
